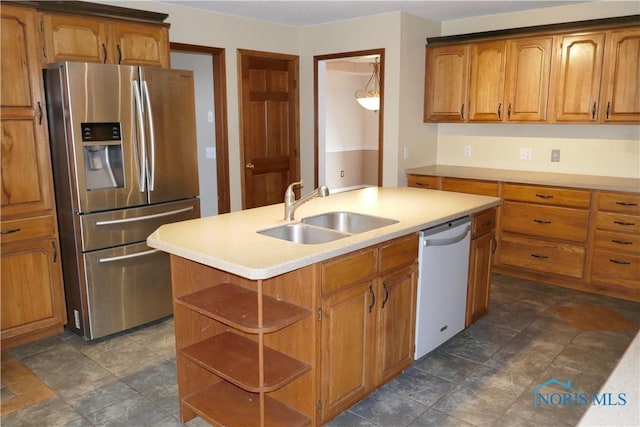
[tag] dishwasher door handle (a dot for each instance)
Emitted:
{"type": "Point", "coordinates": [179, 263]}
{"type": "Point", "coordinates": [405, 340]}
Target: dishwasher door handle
{"type": "Point", "coordinates": [449, 241]}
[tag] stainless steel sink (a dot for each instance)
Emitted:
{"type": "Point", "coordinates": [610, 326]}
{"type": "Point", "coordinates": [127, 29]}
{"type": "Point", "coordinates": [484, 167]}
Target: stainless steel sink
{"type": "Point", "coordinates": [302, 233]}
{"type": "Point", "coordinates": [348, 222]}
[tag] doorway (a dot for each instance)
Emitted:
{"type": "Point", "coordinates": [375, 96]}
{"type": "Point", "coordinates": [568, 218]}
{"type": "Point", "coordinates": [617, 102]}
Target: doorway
{"type": "Point", "coordinates": [208, 66]}
{"type": "Point", "coordinates": [348, 138]}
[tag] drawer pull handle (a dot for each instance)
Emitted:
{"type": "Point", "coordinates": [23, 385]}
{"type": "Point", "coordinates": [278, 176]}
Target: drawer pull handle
{"type": "Point", "coordinates": [621, 262]}
{"type": "Point", "coordinates": [541, 221]}
{"type": "Point", "coordinates": [545, 196]}
{"type": "Point", "coordinates": [422, 184]}
{"type": "Point", "coordinates": [486, 223]}
{"type": "Point", "coordinates": [15, 230]}
{"type": "Point", "coordinates": [624, 223]}
{"type": "Point", "coordinates": [626, 204]}
{"type": "Point", "coordinates": [373, 298]}
{"type": "Point", "coordinates": [539, 256]}
{"type": "Point", "coordinates": [621, 242]}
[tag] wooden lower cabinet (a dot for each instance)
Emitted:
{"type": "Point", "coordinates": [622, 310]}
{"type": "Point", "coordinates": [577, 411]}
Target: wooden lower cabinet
{"type": "Point", "coordinates": [368, 321]}
{"type": "Point", "coordinates": [480, 261]}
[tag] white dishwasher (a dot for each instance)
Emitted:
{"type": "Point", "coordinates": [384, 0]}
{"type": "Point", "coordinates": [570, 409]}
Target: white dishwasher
{"type": "Point", "coordinates": [442, 283]}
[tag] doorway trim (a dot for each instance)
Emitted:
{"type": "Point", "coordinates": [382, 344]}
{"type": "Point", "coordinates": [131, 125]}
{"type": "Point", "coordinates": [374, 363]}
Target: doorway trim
{"type": "Point", "coordinates": [220, 118]}
{"type": "Point", "coordinates": [344, 55]}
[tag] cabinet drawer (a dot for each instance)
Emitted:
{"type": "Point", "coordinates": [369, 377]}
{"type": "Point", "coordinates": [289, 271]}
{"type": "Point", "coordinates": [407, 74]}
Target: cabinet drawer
{"type": "Point", "coordinates": [616, 269]}
{"type": "Point", "coordinates": [483, 222]}
{"type": "Point", "coordinates": [618, 241]}
{"type": "Point", "coordinates": [547, 257]}
{"type": "Point", "coordinates": [545, 221]}
{"type": "Point", "coordinates": [484, 188]}
{"type": "Point", "coordinates": [348, 269]}
{"type": "Point", "coordinates": [399, 252]}
{"type": "Point", "coordinates": [619, 202]}
{"type": "Point", "coordinates": [547, 195]}
{"type": "Point", "coordinates": [422, 181]}
{"type": "Point", "coordinates": [41, 226]}
{"type": "Point", "coordinates": [618, 222]}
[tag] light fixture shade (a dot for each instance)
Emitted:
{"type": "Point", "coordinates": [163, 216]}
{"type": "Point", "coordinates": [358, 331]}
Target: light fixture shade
{"type": "Point", "coordinates": [369, 97]}
{"type": "Point", "coordinates": [370, 102]}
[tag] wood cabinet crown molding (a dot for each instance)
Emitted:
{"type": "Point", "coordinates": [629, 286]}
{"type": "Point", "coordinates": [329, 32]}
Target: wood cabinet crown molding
{"type": "Point", "coordinates": [551, 29]}
{"type": "Point", "coordinates": [95, 10]}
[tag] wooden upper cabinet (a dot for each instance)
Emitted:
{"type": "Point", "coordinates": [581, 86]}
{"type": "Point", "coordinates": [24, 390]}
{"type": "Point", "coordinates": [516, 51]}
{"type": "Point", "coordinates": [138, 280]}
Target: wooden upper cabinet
{"type": "Point", "coordinates": [446, 83]}
{"type": "Point", "coordinates": [74, 38]}
{"type": "Point", "coordinates": [527, 81]}
{"type": "Point", "coordinates": [86, 39]}
{"type": "Point", "coordinates": [140, 44]}
{"type": "Point", "coordinates": [26, 165]}
{"type": "Point", "coordinates": [578, 76]}
{"type": "Point", "coordinates": [620, 90]}
{"type": "Point", "coordinates": [487, 77]}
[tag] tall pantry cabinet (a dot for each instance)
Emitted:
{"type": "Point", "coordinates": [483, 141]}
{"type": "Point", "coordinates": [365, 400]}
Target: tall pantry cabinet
{"type": "Point", "coordinates": [32, 293]}
{"type": "Point", "coordinates": [35, 34]}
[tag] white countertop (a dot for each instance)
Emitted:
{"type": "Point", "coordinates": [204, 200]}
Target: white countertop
{"type": "Point", "coordinates": [595, 182]}
{"type": "Point", "coordinates": [229, 242]}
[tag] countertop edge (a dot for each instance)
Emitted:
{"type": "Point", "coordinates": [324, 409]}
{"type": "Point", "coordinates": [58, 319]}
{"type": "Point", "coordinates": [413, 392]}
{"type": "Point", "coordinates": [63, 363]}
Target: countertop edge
{"type": "Point", "coordinates": [593, 182]}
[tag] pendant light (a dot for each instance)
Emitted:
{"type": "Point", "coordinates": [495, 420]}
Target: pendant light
{"type": "Point", "coordinates": [369, 97]}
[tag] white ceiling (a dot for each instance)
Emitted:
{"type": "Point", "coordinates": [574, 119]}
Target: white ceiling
{"type": "Point", "coordinates": [312, 12]}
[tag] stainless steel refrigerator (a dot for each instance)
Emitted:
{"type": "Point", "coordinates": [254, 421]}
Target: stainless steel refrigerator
{"type": "Point", "coordinates": [124, 162]}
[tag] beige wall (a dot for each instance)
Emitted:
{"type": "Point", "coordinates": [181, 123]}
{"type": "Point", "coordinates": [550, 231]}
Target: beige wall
{"type": "Point", "coordinates": [614, 152]}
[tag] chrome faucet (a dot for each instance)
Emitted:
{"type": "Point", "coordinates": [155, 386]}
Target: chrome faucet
{"type": "Point", "coordinates": [290, 202]}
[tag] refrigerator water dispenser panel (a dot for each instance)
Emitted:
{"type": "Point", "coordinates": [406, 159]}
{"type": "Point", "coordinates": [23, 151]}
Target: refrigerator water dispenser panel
{"type": "Point", "coordinates": [103, 163]}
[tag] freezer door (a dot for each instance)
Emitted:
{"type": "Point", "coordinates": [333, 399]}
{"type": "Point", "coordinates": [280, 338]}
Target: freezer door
{"type": "Point", "coordinates": [124, 226]}
{"type": "Point", "coordinates": [169, 110]}
{"type": "Point", "coordinates": [126, 287]}
{"type": "Point", "coordinates": [94, 143]}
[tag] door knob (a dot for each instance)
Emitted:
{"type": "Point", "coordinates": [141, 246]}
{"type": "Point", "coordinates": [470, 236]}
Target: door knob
{"type": "Point", "coordinates": [249, 166]}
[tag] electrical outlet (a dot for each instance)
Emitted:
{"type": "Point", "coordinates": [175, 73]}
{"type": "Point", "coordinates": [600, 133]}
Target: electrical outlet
{"type": "Point", "coordinates": [210, 152]}
{"type": "Point", "coordinates": [525, 154]}
{"type": "Point", "coordinates": [405, 153]}
{"type": "Point", "coordinates": [467, 151]}
{"type": "Point", "coordinates": [341, 174]}
{"type": "Point", "coordinates": [555, 155]}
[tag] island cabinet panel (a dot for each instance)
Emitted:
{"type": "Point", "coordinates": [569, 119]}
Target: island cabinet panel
{"type": "Point", "coordinates": [368, 324]}
{"type": "Point", "coordinates": [245, 348]}
{"type": "Point", "coordinates": [480, 260]}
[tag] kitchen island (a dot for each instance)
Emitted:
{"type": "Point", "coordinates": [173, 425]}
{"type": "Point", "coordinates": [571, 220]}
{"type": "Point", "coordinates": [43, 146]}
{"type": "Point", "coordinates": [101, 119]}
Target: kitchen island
{"type": "Point", "coordinates": [271, 332]}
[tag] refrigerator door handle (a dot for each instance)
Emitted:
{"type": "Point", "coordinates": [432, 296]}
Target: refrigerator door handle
{"type": "Point", "coordinates": [140, 144]}
{"type": "Point", "coordinates": [145, 217]}
{"type": "Point", "coordinates": [124, 257]}
{"type": "Point", "coordinates": [152, 172]}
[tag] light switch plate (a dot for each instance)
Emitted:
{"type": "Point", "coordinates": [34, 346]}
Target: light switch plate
{"type": "Point", "coordinates": [555, 155]}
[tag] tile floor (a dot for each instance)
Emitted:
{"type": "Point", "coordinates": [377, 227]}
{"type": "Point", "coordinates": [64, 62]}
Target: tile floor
{"type": "Point", "coordinates": [483, 376]}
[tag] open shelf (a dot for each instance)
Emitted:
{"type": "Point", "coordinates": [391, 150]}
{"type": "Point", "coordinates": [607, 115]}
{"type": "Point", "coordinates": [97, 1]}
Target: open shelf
{"type": "Point", "coordinates": [238, 308]}
{"type": "Point", "coordinates": [235, 359]}
{"type": "Point", "coordinates": [227, 405]}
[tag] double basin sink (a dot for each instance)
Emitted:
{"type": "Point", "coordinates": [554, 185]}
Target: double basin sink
{"type": "Point", "coordinates": [327, 227]}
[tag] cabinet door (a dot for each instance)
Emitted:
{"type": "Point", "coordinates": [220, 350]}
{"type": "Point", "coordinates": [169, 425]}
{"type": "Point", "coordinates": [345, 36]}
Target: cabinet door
{"type": "Point", "coordinates": [487, 79]}
{"type": "Point", "coordinates": [578, 77]}
{"type": "Point", "coordinates": [527, 84]}
{"type": "Point", "coordinates": [445, 88]}
{"type": "Point", "coordinates": [139, 44]}
{"type": "Point", "coordinates": [347, 337]}
{"type": "Point", "coordinates": [396, 307]}
{"type": "Point", "coordinates": [75, 38]}
{"type": "Point", "coordinates": [32, 296]}
{"type": "Point", "coordinates": [479, 287]}
{"type": "Point", "coordinates": [621, 77]}
{"type": "Point", "coordinates": [26, 165]}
